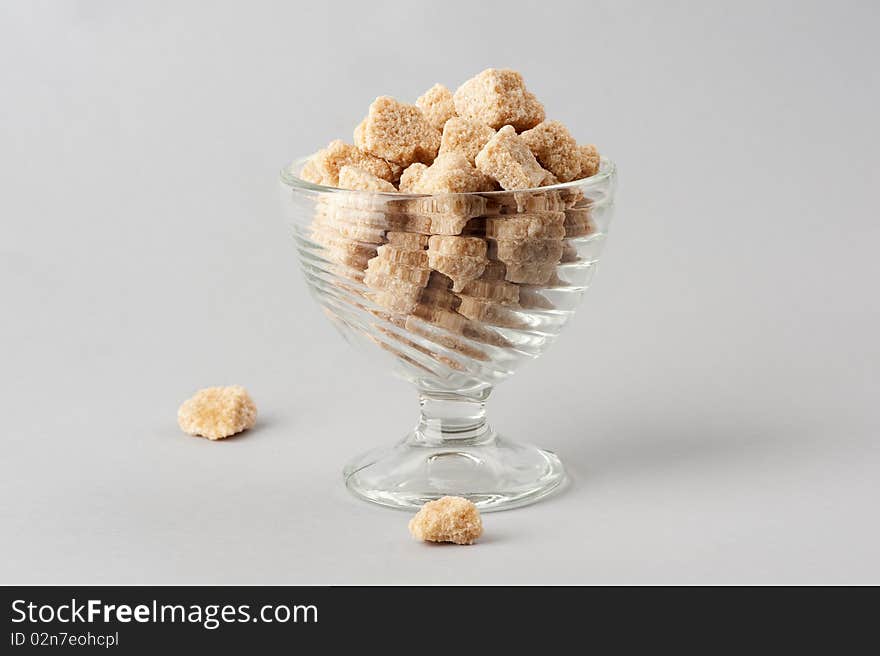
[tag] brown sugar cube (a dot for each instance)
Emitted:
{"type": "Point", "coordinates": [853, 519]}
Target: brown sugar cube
{"type": "Point", "coordinates": [578, 214]}
{"type": "Point", "coordinates": [443, 214]}
{"type": "Point", "coordinates": [498, 97]}
{"type": "Point", "coordinates": [408, 240]}
{"type": "Point", "coordinates": [351, 230]}
{"type": "Point", "coordinates": [348, 258]}
{"type": "Point", "coordinates": [439, 297]}
{"type": "Point", "coordinates": [437, 105]}
{"type": "Point", "coordinates": [590, 160]}
{"type": "Point", "coordinates": [351, 270]}
{"type": "Point", "coordinates": [555, 149]}
{"type": "Point", "coordinates": [531, 273]}
{"type": "Point", "coordinates": [411, 177]}
{"type": "Point", "coordinates": [342, 205]}
{"type": "Point", "coordinates": [549, 179]}
{"type": "Point", "coordinates": [415, 275]}
{"type": "Point", "coordinates": [464, 136]}
{"type": "Point", "coordinates": [525, 250]}
{"type": "Point", "coordinates": [492, 290]}
{"type": "Point", "coordinates": [311, 173]}
{"type": "Point", "coordinates": [323, 167]}
{"type": "Point", "coordinates": [396, 172]}
{"type": "Point", "coordinates": [534, 225]}
{"type": "Point", "coordinates": [450, 173]}
{"type": "Point", "coordinates": [439, 281]}
{"type": "Point", "coordinates": [448, 245]}
{"type": "Point", "coordinates": [359, 133]}
{"type": "Point", "coordinates": [494, 271]}
{"type": "Point", "coordinates": [397, 132]}
{"type": "Point", "coordinates": [572, 197]}
{"type": "Point", "coordinates": [507, 158]}
{"type": "Point", "coordinates": [461, 268]}
{"type": "Point", "coordinates": [448, 319]}
{"type": "Point", "coordinates": [354, 200]}
{"type": "Point", "coordinates": [399, 304]}
{"type": "Point", "coordinates": [550, 201]}
{"type": "Point", "coordinates": [217, 412]}
{"type": "Point", "coordinates": [398, 255]}
{"type": "Point", "coordinates": [520, 202]}
{"type": "Point", "coordinates": [383, 282]}
{"type": "Point", "coordinates": [484, 311]}
{"type": "Point", "coordinates": [453, 173]}
{"type": "Point", "coordinates": [335, 212]}
{"type": "Point", "coordinates": [469, 329]}
{"type": "Point", "coordinates": [352, 177]}
{"type": "Point", "coordinates": [581, 202]}
{"type": "Point", "coordinates": [448, 224]}
{"type": "Point", "coordinates": [418, 223]}
{"type": "Point", "coordinates": [342, 250]}
{"type": "Point", "coordinates": [547, 201]}
{"type": "Point", "coordinates": [578, 222]}
{"type": "Point", "coordinates": [449, 519]}
{"type": "Point", "coordinates": [457, 205]}
{"type": "Point", "coordinates": [328, 237]}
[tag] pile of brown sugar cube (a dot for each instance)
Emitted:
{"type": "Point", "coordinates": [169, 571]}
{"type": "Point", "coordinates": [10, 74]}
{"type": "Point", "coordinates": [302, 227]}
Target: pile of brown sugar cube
{"type": "Point", "coordinates": [436, 256]}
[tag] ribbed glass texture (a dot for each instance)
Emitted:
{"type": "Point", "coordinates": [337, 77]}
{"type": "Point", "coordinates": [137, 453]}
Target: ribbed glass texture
{"type": "Point", "coordinates": [452, 293]}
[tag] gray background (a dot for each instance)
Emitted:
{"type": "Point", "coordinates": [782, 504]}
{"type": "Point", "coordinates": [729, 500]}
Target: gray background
{"type": "Point", "coordinates": [715, 401]}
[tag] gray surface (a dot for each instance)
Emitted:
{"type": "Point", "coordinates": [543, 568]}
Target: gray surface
{"type": "Point", "coordinates": [716, 400]}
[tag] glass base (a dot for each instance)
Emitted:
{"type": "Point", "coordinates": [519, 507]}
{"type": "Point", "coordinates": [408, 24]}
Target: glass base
{"type": "Point", "coordinates": [494, 473]}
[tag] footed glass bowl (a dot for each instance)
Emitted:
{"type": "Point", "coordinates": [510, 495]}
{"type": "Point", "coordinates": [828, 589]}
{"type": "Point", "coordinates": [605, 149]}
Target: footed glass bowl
{"type": "Point", "coordinates": [454, 292]}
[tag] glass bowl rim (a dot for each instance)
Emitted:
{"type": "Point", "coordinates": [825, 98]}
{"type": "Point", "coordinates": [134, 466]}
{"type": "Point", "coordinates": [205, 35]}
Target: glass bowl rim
{"type": "Point", "coordinates": [607, 170]}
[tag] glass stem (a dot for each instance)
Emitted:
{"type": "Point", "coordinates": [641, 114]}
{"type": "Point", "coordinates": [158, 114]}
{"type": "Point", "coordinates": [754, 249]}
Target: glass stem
{"type": "Point", "coordinates": [453, 418]}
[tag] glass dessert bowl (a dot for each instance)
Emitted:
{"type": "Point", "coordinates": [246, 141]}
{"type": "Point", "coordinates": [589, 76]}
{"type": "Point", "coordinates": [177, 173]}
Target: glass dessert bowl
{"type": "Point", "coordinates": [454, 292]}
